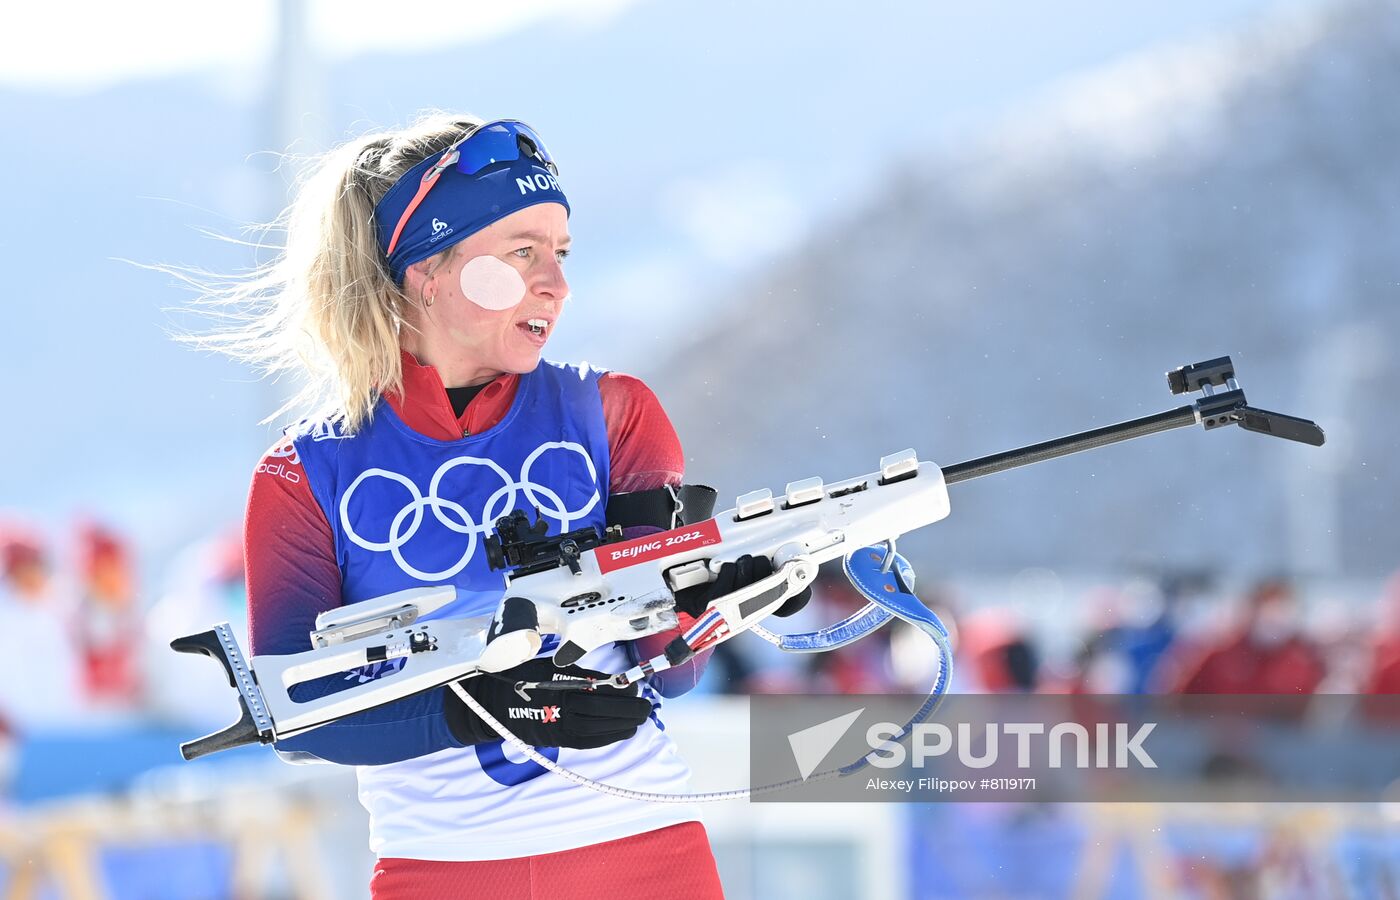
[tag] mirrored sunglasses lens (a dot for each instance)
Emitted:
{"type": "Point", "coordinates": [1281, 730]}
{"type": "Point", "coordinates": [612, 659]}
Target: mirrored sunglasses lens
{"type": "Point", "coordinates": [497, 142]}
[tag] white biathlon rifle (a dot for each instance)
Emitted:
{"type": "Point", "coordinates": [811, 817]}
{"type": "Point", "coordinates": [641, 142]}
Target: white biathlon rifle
{"type": "Point", "coordinates": [591, 589]}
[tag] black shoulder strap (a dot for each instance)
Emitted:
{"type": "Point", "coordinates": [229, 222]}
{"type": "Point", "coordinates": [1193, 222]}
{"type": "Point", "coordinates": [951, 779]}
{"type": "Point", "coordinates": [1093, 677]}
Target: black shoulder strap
{"type": "Point", "coordinates": [665, 507]}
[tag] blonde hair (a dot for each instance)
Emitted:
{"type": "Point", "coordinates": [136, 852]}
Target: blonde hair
{"type": "Point", "coordinates": [326, 308]}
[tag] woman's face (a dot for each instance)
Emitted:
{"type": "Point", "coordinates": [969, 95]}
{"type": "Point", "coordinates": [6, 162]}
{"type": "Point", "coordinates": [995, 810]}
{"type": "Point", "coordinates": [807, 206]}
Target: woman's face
{"type": "Point", "coordinates": [486, 291]}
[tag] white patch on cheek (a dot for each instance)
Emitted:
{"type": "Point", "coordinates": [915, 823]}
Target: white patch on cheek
{"type": "Point", "coordinates": [492, 284]}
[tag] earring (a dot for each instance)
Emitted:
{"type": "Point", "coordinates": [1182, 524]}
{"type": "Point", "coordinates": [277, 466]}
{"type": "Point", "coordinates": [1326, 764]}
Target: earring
{"type": "Point", "coordinates": [427, 301]}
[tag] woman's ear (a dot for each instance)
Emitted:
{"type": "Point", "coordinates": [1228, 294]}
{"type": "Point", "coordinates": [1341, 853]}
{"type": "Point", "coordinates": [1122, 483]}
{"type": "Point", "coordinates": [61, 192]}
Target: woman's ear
{"type": "Point", "coordinates": [418, 282]}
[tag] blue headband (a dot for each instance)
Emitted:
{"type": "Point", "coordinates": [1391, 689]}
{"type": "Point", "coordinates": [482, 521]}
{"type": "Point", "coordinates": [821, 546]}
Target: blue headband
{"type": "Point", "coordinates": [457, 206]}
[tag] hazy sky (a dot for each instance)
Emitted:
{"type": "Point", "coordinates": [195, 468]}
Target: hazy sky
{"type": "Point", "coordinates": [40, 46]}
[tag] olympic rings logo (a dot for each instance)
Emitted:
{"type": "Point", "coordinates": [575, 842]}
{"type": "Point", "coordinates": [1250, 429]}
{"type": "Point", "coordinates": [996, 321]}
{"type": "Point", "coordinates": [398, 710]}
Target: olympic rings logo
{"type": "Point", "coordinates": [455, 517]}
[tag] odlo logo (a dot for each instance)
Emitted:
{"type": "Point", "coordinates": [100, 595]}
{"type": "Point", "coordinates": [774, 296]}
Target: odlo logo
{"type": "Point", "coordinates": [545, 714]}
{"type": "Point", "coordinates": [278, 469]}
{"type": "Point", "coordinates": [440, 230]}
{"type": "Point", "coordinates": [287, 451]}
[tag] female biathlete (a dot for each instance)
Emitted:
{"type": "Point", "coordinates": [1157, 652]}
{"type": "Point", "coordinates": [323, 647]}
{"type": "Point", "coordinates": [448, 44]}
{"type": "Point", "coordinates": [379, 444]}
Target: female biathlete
{"type": "Point", "coordinates": [421, 277]}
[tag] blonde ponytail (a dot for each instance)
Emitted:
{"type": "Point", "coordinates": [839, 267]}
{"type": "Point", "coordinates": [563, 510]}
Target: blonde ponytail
{"type": "Point", "coordinates": [326, 309]}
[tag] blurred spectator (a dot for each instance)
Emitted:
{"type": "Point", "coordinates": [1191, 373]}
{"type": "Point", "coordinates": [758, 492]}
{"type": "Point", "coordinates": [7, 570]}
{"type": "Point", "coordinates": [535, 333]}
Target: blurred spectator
{"type": "Point", "coordinates": [108, 625]}
{"type": "Point", "coordinates": [1137, 626]}
{"type": "Point", "coordinates": [1381, 682]}
{"type": "Point", "coordinates": [1384, 674]}
{"type": "Point", "coordinates": [1098, 665]}
{"type": "Point", "coordinates": [995, 653]}
{"type": "Point", "coordinates": [26, 569]}
{"type": "Point", "coordinates": [205, 587]}
{"type": "Point", "coordinates": [1145, 640]}
{"type": "Point", "coordinates": [1346, 634]}
{"type": "Point", "coordinates": [1266, 654]}
{"type": "Point", "coordinates": [40, 686]}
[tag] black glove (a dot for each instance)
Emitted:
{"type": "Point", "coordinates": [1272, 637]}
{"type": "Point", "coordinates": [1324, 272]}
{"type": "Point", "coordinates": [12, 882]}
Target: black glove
{"type": "Point", "coordinates": [733, 575]}
{"type": "Point", "coordinates": [582, 720]}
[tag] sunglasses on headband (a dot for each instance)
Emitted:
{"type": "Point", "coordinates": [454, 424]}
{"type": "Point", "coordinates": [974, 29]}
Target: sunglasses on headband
{"type": "Point", "coordinates": [494, 142]}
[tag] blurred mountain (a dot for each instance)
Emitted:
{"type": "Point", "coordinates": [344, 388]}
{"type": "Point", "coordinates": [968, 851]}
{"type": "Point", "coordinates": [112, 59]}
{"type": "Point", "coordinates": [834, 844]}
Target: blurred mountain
{"type": "Point", "coordinates": [1240, 197]}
